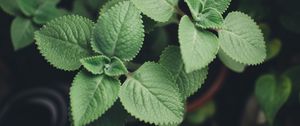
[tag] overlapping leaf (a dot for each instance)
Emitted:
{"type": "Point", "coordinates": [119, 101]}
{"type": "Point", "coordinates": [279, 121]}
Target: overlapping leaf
{"type": "Point", "coordinates": [151, 95]}
{"type": "Point", "coordinates": [65, 40]}
{"type": "Point", "coordinates": [95, 64]}
{"type": "Point", "coordinates": [230, 63]}
{"type": "Point", "coordinates": [209, 18]}
{"type": "Point", "coordinates": [195, 6]}
{"type": "Point", "coordinates": [220, 5]}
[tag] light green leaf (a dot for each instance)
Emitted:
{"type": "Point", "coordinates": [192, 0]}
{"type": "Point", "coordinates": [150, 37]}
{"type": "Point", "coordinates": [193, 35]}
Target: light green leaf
{"type": "Point", "coordinates": [151, 95]}
{"type": "Point", "coordinates": [273, 48]}
{"type": "Point", "coordinates": [195, 6]}
{"type": "Point", "coordinates": [188, 83]}
{"type": "Point", "coordinates": [230, 63]}
{"type": "Point", "coordinates": [10, 7]}
{"type": "Point", "coordinates": [115, 116]}
{"type": "Point", "coordinates": [242, 40]}
{"type": "Point", "coordinates": [119, 32]}
{"type": "Point", "coordinates": [109, 5]}
{"type": "Point", "coordinates": [95, 64]}
{"type": "Point", "coordinates": [65, 40]}
{"type": "Point", "coordinates": [158, 10]}
{"type": "Point", "coordinates": [198, 47]}
{"type": "Point", "coordinates": [22, 32]}
{"type": "Point", "coordinates": [47, 12]}
{"type": "Point", "coordinates": [220, 5]}
{"type": "Point", "coordinates": [115, 67]}
{"type": "Point", "coordinates": [209, 18]}
{"type": "Point", "coordinates": [202, 114]}
{"type": "Point", "coordinates": [272, 93]}
{"type": "Point", "coordinates": [91, 96]}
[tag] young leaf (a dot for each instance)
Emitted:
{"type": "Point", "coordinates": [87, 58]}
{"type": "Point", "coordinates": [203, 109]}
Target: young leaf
{"type": "Point", "coordinates": [115, 116]}
{"type": "Point", "coordinates": [220, 5]}
{"type": "Point", "coordinates": [158, 10]}
{"type": "Point", "coordinates": [242, 40]}
{"type": "Point", "coordinates": [95, 64]}
{"type": "Point", "coordinates": [115, 68]}
{"type": "Point", "coordinates": [46, 12]}
{"type": "Point", "coordinates": [188, 83]}
{"type": "Point", "coordinates": [198, 47]}
{"type": "Point", "coordinates": [230, 63]}
{"type": "Point", "coordinates": [10, 7]}
{"type": "Point", "coordinates": [91, 96]}
{"type": "Point", "coordinates": [151, 95]}
{"type": "Point", "coordinates": [195, 6]}
{"type": "Point", "coordinates": [271, 94]}
{"type": "Point", "coordinates": [22, 32]}
{"type": "Point", "coordinates": [273, 48]}
{"type": "Point", "coordinates": [64, 41]}
{"type": "Point", "coordinates": [209, 18]}
{"type": "Point", "coordinates": [119, 32]}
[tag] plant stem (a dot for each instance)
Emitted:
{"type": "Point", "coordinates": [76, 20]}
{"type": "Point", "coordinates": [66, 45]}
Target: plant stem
{"type": "Point", "coordinates": [179, 11]}
{"type": "Point", "coordinates": [208, 95]}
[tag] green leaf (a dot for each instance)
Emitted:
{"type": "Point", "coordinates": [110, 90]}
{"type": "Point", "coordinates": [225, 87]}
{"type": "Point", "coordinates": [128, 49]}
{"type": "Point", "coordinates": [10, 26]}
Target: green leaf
{"type": "Point", "coordinates": [95, 64]}
{"type": "Point", "coordinates": [209, 18]}
{"type": "Point", "coordinates": [65, 40]}
{"type": "Point", "coordinates": [158, 10]}
{"type": "Point", "coordinates": [28, 7]}
{"type": "Point", "coordinates": [119, 32]}
{"type": "Point", "coordinates": [273, 48]}
{"type": "Point", "coordinates": [80, 9]}
{"type": "Point", "coordinates": [195, 6]}
{"type": "Point", "coordinates": [109, 5]}
{"type": "Point", "coordinates": [115, 116]}
{"type": "Point", "coordinates": [272, 93]}
{"type": "Point", "coordinates": [198, 47]}
{"type": "Point", "coordinates": [188, 83]}
{"type": "Point", "coordinates": [22, 32]}
{"type": "Point", "coordinates": [293, 73]}
{"type": "Point", "coordinates": [115, 68]}
{"type": "Point", "coordinates": [230, 63]}
{"type": "Point", "coordinates": [202, 114]}
{"type": "Point", "coordinates": [220, 5]}
{"type": "Point", "coordinates": [91, 96]}
{"type": "Point", "coordinates": [10, 6]}
{"type": "Point", "coordinates": [242, 40]}
{"type": "Point", "coordinates": [151, 95]}
{"type": "Point", "coordinates": [47, 12]}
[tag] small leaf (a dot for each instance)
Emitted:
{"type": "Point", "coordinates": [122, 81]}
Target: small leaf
{"type": "Point", "coordinates": [115, 68]}
{"type": "Point", "coordinates": [202, 114]}
{"type": "Point", "coordinates": [119, 32]}
{"type": "Point", "coordinates": [273, 48]}
{"type": "Point", "coordinates": [151, 95]}
{"type": "Point", "coordinates": [220, 5]}
{"type": "Point", "coordinates": [10, 6]}
{"type": "Point", "coordinates": [28, 7]}
{"type": "Point", "coordinates": [230, 63]}
{"type": "Point", "coordinates": [95, 64]}
{"type": "Point", "coordinates": [195, 6]}
{"type": "Point", "coordinates": [209, 18]}
{"type": "Point", "coordinates": [65, 40]}
{"type": "Point", "coordinates": [188, 83]}
{"type": "Point", "coordinates": [158, 10]}
{"type": "Point", "coordinates": [242, 40]}
{"type": "Point", "coordinates": [47, 12]}
{"type": "Point", "coordinates": [22, 32]}
{"type": "Point", "coordinates": [91, 96]}
{"type": "Point", "coordinates": [115, 116]}
{"type": "Point", "coordinates": [198, 47]}
{"type": "Point", "coordinates": [271, 94]}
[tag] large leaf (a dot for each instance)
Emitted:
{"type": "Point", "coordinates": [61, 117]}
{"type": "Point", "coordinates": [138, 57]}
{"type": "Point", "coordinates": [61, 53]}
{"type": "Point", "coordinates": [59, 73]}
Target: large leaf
{"type": "Point", "coordinates": [159, 10]}
{"type": "Point", "coordinates": [10, 6]}
{"type": "Point", "coordinates": [230, 63]}
{"type": "Point", "coordinates": [198, 47]}
{"type": "Point", "coordinates": [272, 93]}
{"type": "Point", "coordinates": [119, 32]}
{"type": "Point", "coordinates": [220, 5]}
{"type": "Point", "coordinates": [65, 40]}
{"type": "Point", "coordinates": [188, 83]}
{"type": "Point", "coordinates": [22, 32]}
{"type": "Point", "coordinates": [242, 40]}
{"type": "Point", "coordinates": [91, 96]}
{"type": "Point", "coordinates": [151, 95]}
{"type": "Point", "coordinates": [209, 18]}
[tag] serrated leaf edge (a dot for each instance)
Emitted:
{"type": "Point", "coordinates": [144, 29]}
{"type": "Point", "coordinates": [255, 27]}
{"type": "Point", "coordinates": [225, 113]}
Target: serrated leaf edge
{"type": "Point", "coordinates": [211, 26]}
{"type": "Point", "coordinates": [89, 58]}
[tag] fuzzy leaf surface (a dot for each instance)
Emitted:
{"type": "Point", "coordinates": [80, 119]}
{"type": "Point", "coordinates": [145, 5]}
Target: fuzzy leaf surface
{"type": "Point", "coordinates": [220, 5]}
{"type": "Point", "coordinates": [65, 40]}
{"type": "Point", "coordinates": [209, 18]}
{"type": "Point", "coordinates": [151, 95]}
{"type": "Point", "coordinates": [158, 10]}
{"type": "Point", "coordinates": [242, 40]}
{"type": "Point", "coordinates": [188, 83]}
{"type": "Point", "coordinates": [91, 96]}
{"type": "Point", "coordinates": [230, 63]}
{"type": "Point", "coordinates": [198, 47]}
{"type": "Point", "coordinates": [119, 32]}
{"type": "Point", "coordinates": [95, 64]}
{"type": "Point", "coordinates": [195, 6]}
{"type": "Point", "coordinates": [115, 67]}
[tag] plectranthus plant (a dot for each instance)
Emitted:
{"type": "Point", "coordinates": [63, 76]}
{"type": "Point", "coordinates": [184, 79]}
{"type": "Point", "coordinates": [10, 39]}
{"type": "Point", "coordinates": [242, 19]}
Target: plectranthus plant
{"type": "Point", "coordinates": [155, 92]}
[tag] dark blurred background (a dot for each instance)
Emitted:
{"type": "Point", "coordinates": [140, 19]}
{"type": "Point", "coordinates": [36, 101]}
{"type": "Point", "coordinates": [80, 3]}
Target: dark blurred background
{"type": "Point", "coordinates": [33, 93]}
